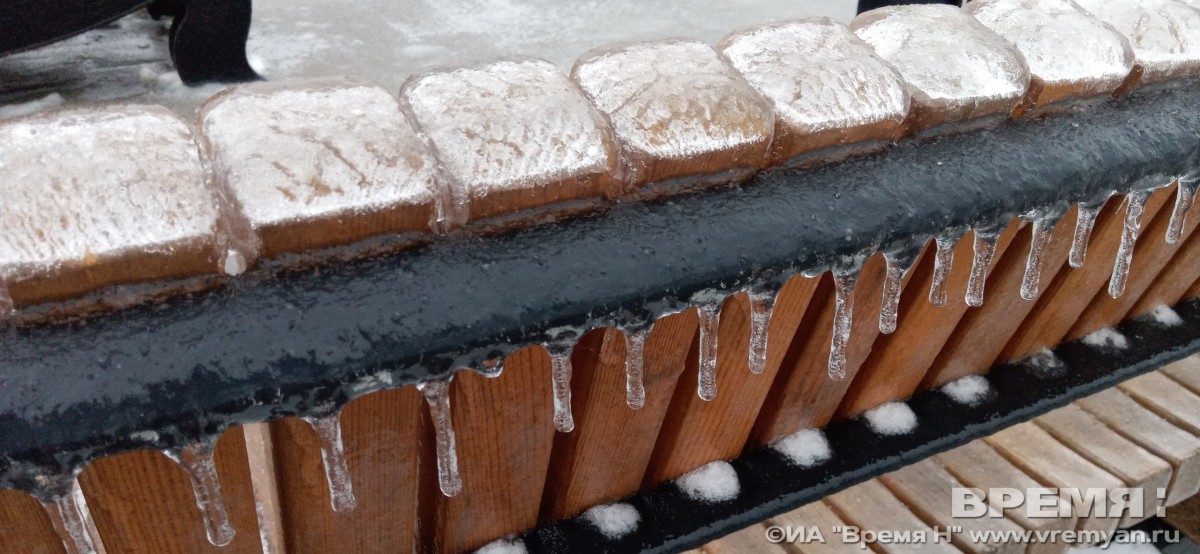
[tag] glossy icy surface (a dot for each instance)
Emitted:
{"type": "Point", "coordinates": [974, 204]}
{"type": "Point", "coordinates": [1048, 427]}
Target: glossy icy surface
{"type": "Point", "coordinates": [1062, 44]}
{"type": "Point", "coordinates": [302, 150]}
{"type": "Point", "coordinates": [1165, 34]}
{"type": "Point", "coordinates": [818, 74]}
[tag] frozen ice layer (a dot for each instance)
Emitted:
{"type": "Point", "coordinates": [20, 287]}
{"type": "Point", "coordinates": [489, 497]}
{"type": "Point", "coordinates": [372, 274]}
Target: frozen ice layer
{"type": "Point", "coordinates": [320, 163]}
{"type": "Point", "coordinates": [956, 69]}
{"type": "Point", "coordinates": [1165, 34]}
{"type": "Point", "coordinates": [512, 135]}
{"type": "Point", "coordinates": [678, 109]}
{"type": "Point", "coordinates": [828, 87]}
{"type": "Point", "coordinates": [1070, 53]}
{"type": "Point", "coordinates": [97, 197]}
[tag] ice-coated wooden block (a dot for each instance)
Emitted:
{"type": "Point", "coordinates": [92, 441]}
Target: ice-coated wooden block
{"type": "Point", "coordinates": [512, 135]}
{"type": "Point", "coordinates": [105, 196]}
{"type": "Point", "coordinates": [1164, 34]}
{"type": "Point", "coordinates": [1071, 54]}
{"type": "Point", "coordinates": [956, 69]}
{"type": "Point", "coordinates": [678, 109]}
{"type": "Point", "coordinates": [320, 163]}
{"type": "Point", "coordinates": [828, 87]}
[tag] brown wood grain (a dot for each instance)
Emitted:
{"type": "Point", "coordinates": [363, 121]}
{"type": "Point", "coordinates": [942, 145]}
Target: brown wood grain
{"type": "Point", "coordinates": [504, 430]}
{"type": "Point", "coordinates": [1179, 274]}
{"type": "Point", "coordinates": [605, 457]}
{"type": "Point", "coordinates": [898, 361]}
{"type": "Point", "coordinates": [143, 502]}
{"type": "Point", "coordinates": [696, 432]}
{"type": "Point", "coordinates": [871, 506]}
{"type": "Point", "coordinates": [380, 433]}
{"type": "Point", "coordinates": [25, 527]}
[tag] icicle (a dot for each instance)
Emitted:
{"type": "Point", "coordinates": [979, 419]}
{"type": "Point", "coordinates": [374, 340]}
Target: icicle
{"type": "Point", "coordinates": [985, 248]}
{"type": "Point", "coordinates": [560, 378]}
{"type": "Point", "coordinates": [1083, 234]}
{"type": "Point", "coordinates": [1135, 206]}
{"type": "Point", "coordinates": [197, 461]}
{"type": "Point", "coordinates": [437, 395]}
{"type": "Point", "coordinates": [761, 306]}
{"type": "Point", "coordinates": [941, 270]}
{"type": "Point", "coordinates": [898, 266]}
{"type": "Point", "coordinates": [69, 514]}
{"type": "Point", "coordinates": [1185, 193]}
{"type": "Point", "coordinates": [1031, 282]}
{"type": "Point", "coordinates": [843, 288]}
{"type": "Point", "coordinates": [706, 386]}
{"type": "Point", "coordinates": [337, 473]}
{"type": "Point", "coordinates": [635, 358]}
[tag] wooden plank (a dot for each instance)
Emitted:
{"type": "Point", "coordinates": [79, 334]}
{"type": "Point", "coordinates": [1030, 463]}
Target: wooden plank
{"type": "Point", "coordinates": [804, 396]}
{"type": "Point", "coordinates": [1089, 437]}
{"type": "Point", "coordinates": [816, 515]}
{"type": "Point", "coordinates": [1070, 292]}
{"type": "Point", "coordinates": [1186, 517]}
{"type": "Point", "coordinates": [977, 464]}
{"type": "Point", "coordinates": [983, 332]}
{"type": "Point", "coordinates": [696, 432]}
{"type": "Point", "coordinates": [1150, 256]}
{"type": "Point", "coordinates": [898, 362]}
{"type": "Point", "coordinates": [1186, 372]}
{"type": "Point", "coordinates": [751, 540]}
{"type": "Point", "coordinates": [1176, 278]}
{"type": "Point", "coordinates": [260, 455]}
{"type": "Point", "coordinates": [870, 506]}
{"type": "Point", "coordinates": [1053, 464]}
{"type": "Point", "coordinates": [380, 436]}
{"type": "Point", "coordinates": [25, 527]}
{"type": "Point", "coordinates": [926, 488]}
{"type": "Point", "coordinates": [1170, 400]}
{"type": "Point", "coordinates": [143, 502]}
{"type": "Point", "coordinates": [504, 429]}
{"type": "Point", "coordinates": [606, 456]}
{"type": "Point", "coordinates": [1182, 449]}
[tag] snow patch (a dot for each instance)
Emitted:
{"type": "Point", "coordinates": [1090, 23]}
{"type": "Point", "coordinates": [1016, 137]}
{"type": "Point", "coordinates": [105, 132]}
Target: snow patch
{"type": "Point", "coordinates": [1165, 316]}
{"type": "Point", "coordinates": [613, 520]}
{"type": "Point", "coordinates": [805, 448]}
{"type": "Point", "coordinates": [1044, 363]}
{"type": "Point", "coordinates": [970, 390]}
{"type": "Point", "coordinates": [1106, 337]}
{"type": "Point", "coordinates": [51, 100]}
{"type": "Point", "coordinates": [893, 418]}
{"type": "Point", "coordinates": [712, 482]}
{"type": "Point", "coordinates": [503, 546]}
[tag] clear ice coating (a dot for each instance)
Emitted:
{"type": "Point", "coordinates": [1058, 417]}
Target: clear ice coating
{"type": "Point", "coordinates": [1164, 34]}
{"type": "Point", "coordinates": [1185, 194]}
{"type": "Point", "coordinates": [1135, 206]}
{"type": "Point", "coordinates": [843, 312]}
{"type": "Point", "coordinates": [1083, 234]}
{"type": "Point", "coordinates": [560, 371]}
{"type": "Point", "coordinates": [1031, 282]}
{"type": "Point", "coordinates": [706, 385]}
{"type": "Point", "coordinates": [897, 268]}
{"type": "Point", "coordinates": [985, 248]}
{"type": "Point", "coordinates": [197, 461]}
{"type": "Point", "coordinates": [333, 455]}
{"type": "Point", "coordinates": [942, 263]}
{"type": "Point", "coordinates": [69, 514]}
{"type": "Point", "coordinates": [437, 395]}
{"type": "Point", "coordinates": [761, 306]}
{"type": "Point", "coordinates": [635, 360]}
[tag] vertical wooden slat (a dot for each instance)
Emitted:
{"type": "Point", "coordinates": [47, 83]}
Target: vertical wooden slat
{"type": "Point", "coordinates": [696, 432]}
{"type": "Point", "coordinates": [504, 429]}
{"type": "Point", "coordinates": [24, 526]}
{"type": "Point", "coordinates": [143, 502]}
{"type": "Point", "coordinates": [260, 454]}
{"type": "Point", "coordinates": [1172, 283]}
{"type": "Point", "coordinates": [1069, 293]}
{"type": "Point", "coordinates": [381, 432]}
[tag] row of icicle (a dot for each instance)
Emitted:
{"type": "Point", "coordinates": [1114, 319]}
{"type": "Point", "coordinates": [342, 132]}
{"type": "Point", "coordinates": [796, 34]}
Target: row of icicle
{"type": "Point", "coordinates": [68, 511]}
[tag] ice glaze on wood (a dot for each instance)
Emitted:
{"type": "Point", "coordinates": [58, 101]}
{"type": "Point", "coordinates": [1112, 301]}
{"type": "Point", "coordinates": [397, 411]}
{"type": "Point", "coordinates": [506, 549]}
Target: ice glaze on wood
{"type": "Point", "coordinates": [678, 109]}
{"type": "Point", "coordinates": [829, 89]}
{"type": "Point", "coordinates": [1164, 34]}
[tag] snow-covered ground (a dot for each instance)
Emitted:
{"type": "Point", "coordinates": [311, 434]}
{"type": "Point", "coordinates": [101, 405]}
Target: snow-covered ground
{"type": "Point", "coordinates": [381, 40]}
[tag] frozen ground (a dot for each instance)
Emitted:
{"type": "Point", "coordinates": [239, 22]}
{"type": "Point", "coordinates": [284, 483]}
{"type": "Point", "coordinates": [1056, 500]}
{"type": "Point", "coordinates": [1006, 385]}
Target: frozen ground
{"type": "Point", "coordinates": [381, 40]}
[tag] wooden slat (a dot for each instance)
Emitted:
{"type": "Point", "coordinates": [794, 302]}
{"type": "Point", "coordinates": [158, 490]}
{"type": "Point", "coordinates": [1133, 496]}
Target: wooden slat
{"type": "Point", "coordinates": [504, 429]}
{"type": "Point", "coordinates": [605, 457]}
{"type": "Point", "coordinates": [1069, 293]}
{"type": "Point", "coordinates": [1054, 465]}
{"type": "Point", "coordinates": [24, 526]}
{"type": "Point", "coordinates": [1167, 398]}
{"type": "Point", "coordinates": [1176, 278]}
{"type": "Point", "coordinates": [260, 455]}
{"type": "Point", "coordinates": [380, 434]}
{"type": "Point", "coordinates": [143, 502]}
{"type": "Point", "coordinates": [1089, 437]}
{"type": "Point", "coordinates": [983, 332]}
{"type": "Point", "coordinates": [1186, 372]}
{"type": "Point", "coordinates": [870, 506]}
{"type": "Point", "coordinates": [751, 540]}
{"type": "Point", "coordinates": [898, 362]}
{"type": "Point", "coordinates": [977, 464]}
{"type": "Point", "coordinates": [696, 432]}
{"type": "Point", "coordinates": [926, 488]}
{"type": "Point", "coordinates": [1182, 449]}
{"type": "Point", "coordinates": [818, 515]}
